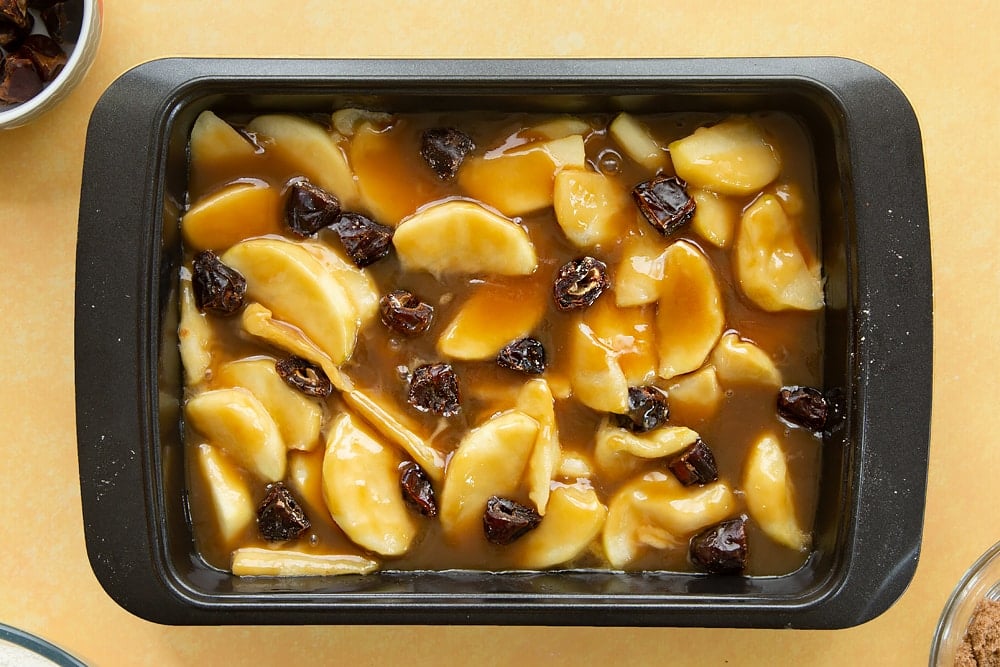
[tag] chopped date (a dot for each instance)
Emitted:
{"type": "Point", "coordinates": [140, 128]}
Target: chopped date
{"type": "Point", "coordinates": [526, 355]}
{"type": "Point", "coordinates": [365, 240]}
{"type": "Point", "coordinates": [16, 23]}
{"type": "Point", "coordinates": [434, 388]}
{"type": "Point", "coordinates": [218, 288]}
{"type": "Point", "coordinates": [506, 520]}
{"type": "Point", "coordinates": [647, 409]}
{"type": "Point", "coordinates": [695, 465]}
{"type": "Point", "coordinates": [580, 282]}
{"type": "Point", "coordinates": [19, 80]}
{"type": "Point", "coordinates": [804, 406]}
{"type": "Point", "coordinates": [45, 54]}
{"type": "Point", "coordinates": [309, 208]}
{"type": "Point", "coordinates": [721, 549]}
{"type": "Point", "coordinates": [305, 376]}
{"type": "Point", "coordinates": [417, 489]}
{"type": "Point", "coordinates": [279, 516]}
{"type": "Point", "coordinates": [405, 313]}
{"type": "Point", "coordinates": [444, 149]}
{"type": "Point", "coordinates": [665, 203]}
{"type": "Point", "coordinates": [64, 20]}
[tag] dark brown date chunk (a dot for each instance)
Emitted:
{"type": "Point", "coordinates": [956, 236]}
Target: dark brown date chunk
{"type": "Point", "coordinates": [647, 409]}
{"type": "Point", "coordinates": [218, 288]}
{"type": "Point", "coordinates": [365, 240]}
{"type": "Point", "coordinates": [444, 148]}
{"type": "Point", "coordinates": [279, 516]}
{"type": "Point", "coordinates": [526, 355]}
{"type": "Point", "coordinates": [15, 22]}
{"type": "Point", "coordinates": [803, 406]}
{"type": "Point", "coordinates": [406, 314]}
{"type": "Point", "coordinates": [417, 489]}
{"type": "Point", "coordinates": [434, 388]}
{"type": "Point", "coordinates": [305, 376]}
{"type": "Point", "coordinates": [64, 20]}
{"type": "Point", "coordinates": [309, 208]}
{"type": "Point", "coordinates": [506, 520]}
{"type": "Point", "coordinates": [695, 465]}
{"type": "Point", "coordinates": [721, 549]}
{"type": "Point", "coordinates": [19, 80]}
{"type": "Point", "coordinates": [665, 203]}
{"type": "Point", "coordinates": [45, 54]}
{"type": "Point", "coordinates": [580, 282]}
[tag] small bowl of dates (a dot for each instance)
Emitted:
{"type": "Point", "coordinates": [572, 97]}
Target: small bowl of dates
{"type": "Point", "coordinates": [46, 47]}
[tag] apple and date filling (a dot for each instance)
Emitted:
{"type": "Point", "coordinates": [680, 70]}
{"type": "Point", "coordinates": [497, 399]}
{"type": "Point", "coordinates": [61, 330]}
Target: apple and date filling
{"type": "Point", "coordinates": [501, 341]}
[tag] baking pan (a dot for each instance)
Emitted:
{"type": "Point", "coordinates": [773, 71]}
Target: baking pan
{"type": "Point", "coordinates": [877, 355]}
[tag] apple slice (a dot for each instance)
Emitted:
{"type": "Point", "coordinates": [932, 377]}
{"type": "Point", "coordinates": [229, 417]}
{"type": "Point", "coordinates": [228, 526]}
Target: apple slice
{"type": "Point", "coordinates": [357, 283]}
{"type": "Point", "coordinates": [236, 212]}
{"type": "Point", "coordinates": [575, 517]}
{"type": "Point", "coordinates": [715, 217]}
{"type": "Point", "coordinates": [739, 361]}
{"type": "Point", "coordinates": [194, 334]}
{"type": "Point", "coordinates": [258, 562]}
{"type": "Point", "coordinates": [640, 271]}
{"type": "Point", "coordinates": [595, 374]}
{"type": "Point", "coordinates": [463, 237]}
{"type": "Point", "coordinates": [695, 396]}
{"type": "Point", "coordinates": [215, 142]}
{"type": "Point", "coordinates": [287, 280]}
{"type": "Point", "coordinates": [535, 400]}
{"type": "Point", "coordinates": [770, 494]}
{"type": "Point", "coordinates": [637, 142]}
{"type": "Point", "coordinates": [591, 208]}
{"type": "Point", "coordinates": [235, 421]}
{"type": "Point", "coordinates": [228, 493]}
{"type": "Point", "coordinates": [731, 158]}
{"type": "Point", "coordinates": [493, 316]}
{"type": "Point", "coordinates": [618, 451]}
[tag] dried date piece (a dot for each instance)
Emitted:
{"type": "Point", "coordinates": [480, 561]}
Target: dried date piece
{"type": "Point", "coordinates": [506, 520]}
{"type": "Point", "coordinates": [16, 23]}
{"type": "Point", "coordinates": [309, 208]}
{"type": "Point", "coordinates": [404, 313]}
{"type": "Point", "coordinates": [665, 203]}
{"type": "Point", "coordinates": [580, 282]}
{"type": "Point", "coordinates": [803, 406]}
{"type": "Point", "coordinates": [695, 465]}
{"type": "Point", "coordinates": [305, 376]}
{"type": "Point", "coordinates": [279, 516]}
{"type": "Point", "coordinates": [46, 54]}
{"type": "Point", "coordinates": [526, 355]}
{"type": "Point", "coordinates": [722, 548]}
{"type": "Point", "coordinates": [218, 288]}
{"type": "Point", "coordinates": [444, 148]}
{"type": "Point", "coordinates": [647, 409]}
{"type": "Point", "coordinates": [19, 80]}
{"type": "Point", "coordinates": [434, 388]}
{"type": "Point", "coordinates": [417, 489]}
{"type": "Point", "coordinates": [64, 20]}
{"type": "Point", "coordinates": [365, 240]}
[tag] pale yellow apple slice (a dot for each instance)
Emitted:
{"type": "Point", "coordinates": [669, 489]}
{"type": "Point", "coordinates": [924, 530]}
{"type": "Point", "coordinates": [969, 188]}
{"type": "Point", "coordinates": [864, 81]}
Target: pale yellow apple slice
{"type": "Point", "coordinates": [559, 128]}
{"type": "Point", "coordinates": [490, 460]}
{"type": "Point", "coordinates": [348, 121]}
{"type": "Point", "coordinates": [739, 361]}
{"type": "Point", "coordinates": [774, 265]}
{"type": "Point", "coordinates": [618, 451]}
{"type": "Point", "coordinates": [770, 494]}
{"type": "Point", "coordinates": [194, 334]}
{"type": "Point", "coordinates": [696, 395]}
{"type": "Point", "coordinates": [689, 314]}
{"type": "Point", "coordinates": [215, 142]}
{"type": "Point", "coordinates": [591, 208]}
{"type": "Point", "coordinates": [520, 180]}
{"type": "Point", "coordinates": [258, 562]}
{"type": "Point", "coordinates": [361, 488]}
{"type": "Point", "coordinates": [235, 421]}
{"type": "Point", "coordinates": [311, 150]}
{"type": "Point", "coordinates": [631, 334]}
{"type": "Point", "coordinates": [575, 517]}
{"type": "Point", "coordinates": [305, 477]}
{"type": "Point", "coordinates": [637, 142]}
{"type": "Point", "coordinates": [640, 271]}
{"type": "Point", "coordinates": [287, 280]}
{"type": "Point", "coordinates": [463, 237]}
{"type": "Point", "coordinates": [298, 417]}
{"type": "Point", "coordinates": [595, 374]}
{"type": "Point", "coordinates": [490, 318]}
{"type": "Point", "coordinates": [535, 400]}
{"type": "Point", "coordinates": [732, 157]}
{"type": "Point", "coordinates": [357, 283]}
{"type": "Point", "coordinates": [714, 218]}
{"type": "Point", "coordinates": [236, 212]}
{"type": "Point", "coordinates": [228, 493]}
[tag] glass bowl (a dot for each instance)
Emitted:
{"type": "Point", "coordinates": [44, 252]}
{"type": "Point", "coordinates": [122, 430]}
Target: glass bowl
{"type": "Point", "coordinates": [980, 581]}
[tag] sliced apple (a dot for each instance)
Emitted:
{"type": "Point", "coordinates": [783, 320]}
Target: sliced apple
{"type": "Point", "coordinates": [257, 562]}
{"type": "Point", "coordinates": [215, 142]}
{"type": "Point", "coordinates": [574, 466]}
{"type": "Point", "coordinates": [695, 396]}
{"type": "Point", "coordinates": [689, 315]}
{"type": "Point", "coordinates": [463, 237]}
{"type": "Point", "coordinates": [493, 316]}
{"type": "Point", "coordinates": [631, 334]}
{"type": "Point", "coordinates": [305, 476]}
{"type": "Point", "coordinates": [235, 421]}
{"type": "Point", "coordinates": [732, 158]}
{"type": "Point", "coordinates": [236, 212]}
{"type": "Point", "coordinates": [308, 148]}
{"type": "Point", "coordinates": [348, 121]}
{"type": "Point", "coordinates": [298, 417]}
{"type": "Point", "coordinates": [559, 128]}
{"type": "Point", "coordinates": [194, 334]}
{"type": "Point", "coordinates": [357, 283]}
{"type": "Point", "coordinates": [591, 208]}
{"type": "Point", "coordinates": [520, 180]}
{"type": "Point", "coordinates": [739, 361]}
{"type": "Point", "coordinates": [637, 142]}
{"type": "Point", "coordinates": [774, 265]}
{"type": "Point", "coordinates": [286, 279]}
{"type": "Point", "coordinates": [715, 217]}
{"type": "Point", "coordinates": [575, 517]}
{"type": "Point", "coordinates": [617, 451]}
{"type": "Point", "coordinates": [770, 494]}
{"type": "Point", "coordinates": [640, 271]}
{"type": "Point", "coordinates": [595, 374]}
{"type": "Point", "coordinates": [361, 488]}
{"type": "Point", "coordinates": [536, 401]}
{"type": "Point", "coordinates": [490, 460]}
{"type": "Point", "coordinates": [228, 493]}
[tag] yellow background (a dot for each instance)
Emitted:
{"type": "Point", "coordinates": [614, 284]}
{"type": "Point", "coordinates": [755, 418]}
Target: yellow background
{"type": "Point", "coordinates": [945, 57]}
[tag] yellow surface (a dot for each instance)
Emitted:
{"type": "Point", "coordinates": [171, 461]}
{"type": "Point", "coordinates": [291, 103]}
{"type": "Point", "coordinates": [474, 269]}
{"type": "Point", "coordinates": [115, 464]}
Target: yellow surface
{"type": "Point", "coordinates": [943, 55]}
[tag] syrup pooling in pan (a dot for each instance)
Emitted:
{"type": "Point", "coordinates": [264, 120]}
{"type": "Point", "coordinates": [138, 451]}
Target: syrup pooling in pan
{"type": "Point", "coordinates": [501, 341]}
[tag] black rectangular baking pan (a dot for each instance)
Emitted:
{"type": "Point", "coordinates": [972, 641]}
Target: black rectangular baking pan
{"type": "Point", "coordinates": [876, 253]}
